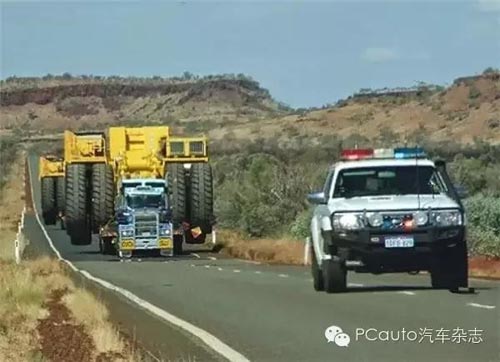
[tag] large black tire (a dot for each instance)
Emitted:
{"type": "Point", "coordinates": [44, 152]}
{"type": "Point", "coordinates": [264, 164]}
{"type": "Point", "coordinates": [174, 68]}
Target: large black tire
{"type": "Point", "coordinates": [201, 197]}
{"type": "Point", "coordinates": [49, 209]}
{"type": "Point", "coordinates": [77, 202]}
{"type": "Point", "coordinates": [176, 183]}
{"type": "Point", "coordinates": [451, 269]}
{"type": "Point", "coordinates": [334, 276]}
{"type": "Point", "coordinates": [61, 198]}
{"type": "Point", "coordinates": [316, 272]}
{"type": "Point", "coordinates": [103, 195]}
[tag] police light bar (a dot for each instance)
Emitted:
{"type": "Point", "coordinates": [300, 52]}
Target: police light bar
{"type": "Point", "coordinates": [382, 153]}
{"type": "Point", "coordinates": [409, 152]}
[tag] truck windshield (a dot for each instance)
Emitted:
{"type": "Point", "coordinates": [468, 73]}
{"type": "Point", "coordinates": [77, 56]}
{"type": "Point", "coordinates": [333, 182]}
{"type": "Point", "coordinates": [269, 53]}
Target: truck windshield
{"type": "Point", "coordinates": [393, 180]}
{"type": "Point", "coordinates": [141, 201]}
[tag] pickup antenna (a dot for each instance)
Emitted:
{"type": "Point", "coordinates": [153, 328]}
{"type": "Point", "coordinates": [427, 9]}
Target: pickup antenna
{"type": "Point", "coordinates": [418, 178]}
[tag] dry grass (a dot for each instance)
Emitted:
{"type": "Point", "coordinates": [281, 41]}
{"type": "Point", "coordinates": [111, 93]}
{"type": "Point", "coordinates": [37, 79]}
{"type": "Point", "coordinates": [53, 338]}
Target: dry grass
{"type": "Point", "coordinates": [93, 315]}
{"type": "Point", "coordinates": [26, 287]}
{"type": "Point", "coordinates": [11, 199]}
{"type": "Point", "coordinates": [281, 251]}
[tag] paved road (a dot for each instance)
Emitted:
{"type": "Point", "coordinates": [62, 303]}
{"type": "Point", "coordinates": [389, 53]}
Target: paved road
{"type": "Point", "coordinates": [271, 313]}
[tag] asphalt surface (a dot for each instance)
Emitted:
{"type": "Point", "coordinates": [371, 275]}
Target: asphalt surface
{"type": "Point", "coordinates": [272, 313]}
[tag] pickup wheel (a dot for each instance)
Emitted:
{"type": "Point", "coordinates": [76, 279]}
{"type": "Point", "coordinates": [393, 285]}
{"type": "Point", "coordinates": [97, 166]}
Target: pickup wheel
{"type": "Point", "coordinates": [49, 210]}
{"type": "Point", "coordinates": [334, 276]}
{"type": "Point", "coordinates": [451, 269]}
{"type": "Point", "coordinates": [317, 275]}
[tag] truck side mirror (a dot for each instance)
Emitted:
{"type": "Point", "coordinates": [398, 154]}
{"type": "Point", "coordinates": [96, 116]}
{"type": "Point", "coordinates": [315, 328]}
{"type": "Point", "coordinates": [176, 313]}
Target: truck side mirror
{"type": "Point", "coordinates": [317, 198]}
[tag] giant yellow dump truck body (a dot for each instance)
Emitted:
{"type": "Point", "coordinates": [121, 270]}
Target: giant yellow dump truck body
{"type": "Point", "coordinates": [50, 166]}
{"type": "Point", "coordinates": [141, 152]}
{"type": "Point", "coordinates": [84, 147]}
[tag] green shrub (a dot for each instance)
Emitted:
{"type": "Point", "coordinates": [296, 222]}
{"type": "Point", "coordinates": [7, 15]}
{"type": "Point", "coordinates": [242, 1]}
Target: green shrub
{"type": "Point", "coordinates": [483, 214]}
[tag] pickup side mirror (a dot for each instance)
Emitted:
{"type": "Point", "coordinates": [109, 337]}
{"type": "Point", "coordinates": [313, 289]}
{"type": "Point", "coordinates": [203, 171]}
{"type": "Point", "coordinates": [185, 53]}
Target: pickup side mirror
{"type": "Point", "coordinates": [317, 198]}
{"type": "Point", "coordinates": [461, 191]}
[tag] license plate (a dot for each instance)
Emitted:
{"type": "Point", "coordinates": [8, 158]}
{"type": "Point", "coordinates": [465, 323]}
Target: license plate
{"type": "Point", "coordinates": [399, 242]}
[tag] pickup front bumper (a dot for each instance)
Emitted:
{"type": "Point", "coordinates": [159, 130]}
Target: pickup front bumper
{"type": "Point", "coordinates": [365, 250]}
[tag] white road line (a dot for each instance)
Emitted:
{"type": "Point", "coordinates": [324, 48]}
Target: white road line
{"type": "Point", "coordinates": [407, 292]}
{"type": "Point", "coordinates": [354, 285]}
{"type": "Point", "coordinates": [210, 340]}
{"type": "Point", "coordinates": [196, 255]}
{"type": "Point", "coordinates": [236, 270]}
{"type": "Point", "coordinates": [258, 272]}
{"type": "Point", "coordinates": [283, 275]}
{"type": "Point", "coordinates": [207, 266]}
{"type": "Point", "coordinates": [212, 258]}
{"type": "Point", "coordinates": [219, 269]}
{"type": "Point", "coordinates": [484, 306]}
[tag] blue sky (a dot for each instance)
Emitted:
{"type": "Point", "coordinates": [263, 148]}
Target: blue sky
{"type": "Point", "coordinates": [306, 53]}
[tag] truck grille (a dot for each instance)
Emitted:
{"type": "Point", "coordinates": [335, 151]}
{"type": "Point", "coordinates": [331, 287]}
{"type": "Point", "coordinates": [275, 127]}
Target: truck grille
{"type": "Point", "coordinates": [146, 225]}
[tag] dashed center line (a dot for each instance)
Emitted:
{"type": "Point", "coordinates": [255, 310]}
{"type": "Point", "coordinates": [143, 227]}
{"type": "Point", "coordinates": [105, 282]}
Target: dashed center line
{"type": "Point", "coordinates": [212, 258]}
{"type": "Point", "coordinates": [283, 275]}
{"type": "Point", "coordinates": [258, 272]}
{"type": "Point", "coordinates": [207, 266]}
{"type": "Point", "coordinates": [236, 270]}
{"type": "Point", "coordinates": [196, 255]}
{"type": "Point", "coordinates": [354, 285]}
{"type": "Point", "coordinates": [219, 269]}
{"type": "Point", "coordinates": [484, 306]}
{"type": "Point", "coordinates": [407, 292]}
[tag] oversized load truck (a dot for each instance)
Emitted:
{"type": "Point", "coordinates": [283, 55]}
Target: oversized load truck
{"type": "Point", "coordinates": [51, 175]}
{"type": "Point", "coordinates": [122, 165]}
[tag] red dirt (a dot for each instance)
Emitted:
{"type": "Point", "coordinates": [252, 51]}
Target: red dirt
{"type": "Point", "coordinates": [61, 339]}
{"type": "Point", "coordinates": [484, 267]}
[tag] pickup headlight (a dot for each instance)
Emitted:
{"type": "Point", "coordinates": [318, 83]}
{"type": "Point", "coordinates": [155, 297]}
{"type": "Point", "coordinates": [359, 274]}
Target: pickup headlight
{"type": "Point", "coordinates": [127, 232]}
{"type": "Point", "coordinates": [447, 218]}
{"type": "Point", "coordinates": [347, 221]}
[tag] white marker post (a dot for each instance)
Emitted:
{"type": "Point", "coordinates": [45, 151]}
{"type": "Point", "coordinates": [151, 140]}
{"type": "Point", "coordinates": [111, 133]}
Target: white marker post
{"type": "Point", "coordinates": [307, 245]}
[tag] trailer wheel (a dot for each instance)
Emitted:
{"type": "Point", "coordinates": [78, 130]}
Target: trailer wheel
{"type": "Point", "coordinates": [77, 200]}
{"type": "Point", "coordinates": [103, 195]}
{"type": "Point", "coordinates": [176, 183]}
{"type": "Point", "coordinates": [178, 239]}
{"type": "Point", "coordinates": [201, 200]}
{"type": "Point", "coordinates": [49, 210]}
{"type": "Point", "coordinates": [60, 198]}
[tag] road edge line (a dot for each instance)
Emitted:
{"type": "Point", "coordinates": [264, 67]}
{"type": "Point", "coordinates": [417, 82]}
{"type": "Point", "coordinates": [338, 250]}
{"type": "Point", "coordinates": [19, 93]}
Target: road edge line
{"type": "Point", "coordinates": [208, 339]}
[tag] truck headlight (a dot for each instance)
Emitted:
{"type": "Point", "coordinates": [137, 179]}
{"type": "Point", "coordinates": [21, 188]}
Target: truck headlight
{"type": "Point", "coordinates": [347, 222]}
{"type": "Point", "coordinates": [127, 233]}
{"type": "Point", "coordinates": [165, 232]}
{"type": "Point", "coordinates": [447, 218]}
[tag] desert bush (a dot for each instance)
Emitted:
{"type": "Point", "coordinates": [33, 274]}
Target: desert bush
{"type": "Point", "coordinates": [9, 146]}
{"type": "Point", "coordinates": [484, 224]}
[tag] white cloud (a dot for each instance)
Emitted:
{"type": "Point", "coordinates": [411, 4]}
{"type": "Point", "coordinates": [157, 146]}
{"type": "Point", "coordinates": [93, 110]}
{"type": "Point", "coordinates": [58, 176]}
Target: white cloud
{"type": "Point", "coordinates": [488, 5]}
{"type": "Point", "coordinates": [379, 55]}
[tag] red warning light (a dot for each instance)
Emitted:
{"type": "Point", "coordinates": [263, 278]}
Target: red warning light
{"type": "Point", "coordinates": [356, 154]}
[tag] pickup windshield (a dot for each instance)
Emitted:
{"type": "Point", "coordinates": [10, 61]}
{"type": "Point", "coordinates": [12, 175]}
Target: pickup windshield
{"type": "Point", "coordinates": [142, 201]}
{"type": "Point", "coordinates": [393, 180]}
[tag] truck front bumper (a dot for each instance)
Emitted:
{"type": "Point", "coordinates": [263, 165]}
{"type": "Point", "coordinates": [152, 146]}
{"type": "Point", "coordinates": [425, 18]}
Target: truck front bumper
{"type": "Point", "coordinates": [365, 250]}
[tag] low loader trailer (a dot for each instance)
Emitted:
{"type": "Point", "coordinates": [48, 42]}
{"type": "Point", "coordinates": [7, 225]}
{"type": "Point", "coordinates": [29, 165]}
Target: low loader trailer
{"type": "Point", "coordinates": [139, 188]}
